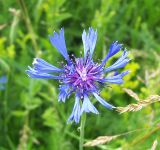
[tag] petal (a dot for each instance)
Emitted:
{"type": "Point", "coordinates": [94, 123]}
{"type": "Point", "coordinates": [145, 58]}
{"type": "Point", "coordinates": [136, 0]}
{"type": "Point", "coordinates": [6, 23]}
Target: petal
{"type": "Point", "coordinates": [3, 79]}
{"type": "Point", "coordinates": [89, 41]}
{"type": "Point", "coordinates": [58, 41]}
{"type": "Point", "coordinates": [32, 73]}
{"type": "Point", "coordinates": [120, 63]}
{"type": "Point", "coordinates": [76, 112]}
{"type": "Point", "coordinates": [92, 40]}
{"type": "Point", "coordinates": [87, 106]}
{"type": "Point", "coordinates": [117, 79]}
{"type": "Point", "coordinates": [85, 43]}
{"type": "Point", "coordinates": [103, 102]}
{"type": "Point", "coordinates": [114, 48]}
{"type": "Point", "coordinates": [44, 67]}
{"type": "Point", "coordinates": [64, 91]}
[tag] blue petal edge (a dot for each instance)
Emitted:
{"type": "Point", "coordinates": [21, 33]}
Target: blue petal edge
{"type": "Point", "coordinates": [117, 79]}
{"type": "Point", "coordinates": [63, 93]}
{"type": "Point", "coordinates": [76, 112]}
{"type": "Point", "coordinates": [87, 106]}
{"type": "Point", "coordinates": [89, 41]}
{"type": "Point", "coordinates": [120, 63]}
{"type": "Point", "coordinates": [103, 102]}
{"type": "Point", "coordinates": [58, 41]}
{"type": "Point", "coordinates": [115, 47]}
{"type": "Point", "coordinates": [35, 74]}
{"type": "Point", "coordinates": [42, 66]}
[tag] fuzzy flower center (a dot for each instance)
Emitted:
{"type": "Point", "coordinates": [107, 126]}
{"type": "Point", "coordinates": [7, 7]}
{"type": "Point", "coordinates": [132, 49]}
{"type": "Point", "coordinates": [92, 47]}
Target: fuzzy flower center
{"type": "Point", "coordinates": [82, 75]}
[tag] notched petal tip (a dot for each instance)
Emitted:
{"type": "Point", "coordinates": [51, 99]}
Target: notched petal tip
{"type": "Point", "coordinates": [121, 62]}
{"type": "Point", "coordinates": [89, 41]}
{"type": "Point", "coordinates": [58, 41]}
{"type": "Point", "coordinates": [117, 79]}
{"type": "Point", "coordinates": [115, 47]}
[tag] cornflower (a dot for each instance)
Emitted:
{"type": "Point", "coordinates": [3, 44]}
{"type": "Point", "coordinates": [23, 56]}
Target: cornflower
{"type": "Point", "coordinates": [81, 76]}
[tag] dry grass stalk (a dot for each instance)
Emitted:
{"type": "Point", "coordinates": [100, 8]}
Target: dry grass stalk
{"type": "Point", "coordinates": [131, 93]}
{"type": "Point", "coordinates": [14, 11]}
{"type": "Point", "coordinates": [142, 103]}
{"type": "Point", "coordinates": [24, 138]}
{"type": "Point", "coordinates": [106, 139]}
{"type": "Point", "coordinates": [25, 134]}
{"type": "Point", "coordinates": [155, 143]}
{"type": "Point", "coordinates": [155, 73]}
{"type": "Point", "coordinates": [100, 140]}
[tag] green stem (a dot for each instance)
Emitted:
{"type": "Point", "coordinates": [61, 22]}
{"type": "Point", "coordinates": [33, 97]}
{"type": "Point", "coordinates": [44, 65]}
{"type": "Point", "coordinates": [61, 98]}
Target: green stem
{"type": "Point", "coordinates": [81, 141]}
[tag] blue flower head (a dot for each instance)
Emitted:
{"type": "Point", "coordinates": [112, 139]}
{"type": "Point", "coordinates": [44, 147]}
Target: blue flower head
{"type": "Point", "coordinates": [83, 76]}
{"type": "Point", "coordinates": [3, 81]}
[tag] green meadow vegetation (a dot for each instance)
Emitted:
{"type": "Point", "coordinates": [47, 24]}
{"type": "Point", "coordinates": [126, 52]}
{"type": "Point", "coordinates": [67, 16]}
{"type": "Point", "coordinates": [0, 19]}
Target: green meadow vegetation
{"type": "Point", "coordinates": [31, 118]}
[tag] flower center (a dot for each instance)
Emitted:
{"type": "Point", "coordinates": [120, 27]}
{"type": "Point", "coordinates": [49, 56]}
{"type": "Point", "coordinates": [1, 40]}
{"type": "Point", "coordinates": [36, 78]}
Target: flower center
{"type": "Point", "coordinates": [82, 76]}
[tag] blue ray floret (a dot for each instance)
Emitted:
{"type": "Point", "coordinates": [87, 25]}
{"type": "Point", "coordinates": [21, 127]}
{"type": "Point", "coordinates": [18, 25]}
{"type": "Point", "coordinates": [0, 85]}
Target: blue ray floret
{"type": "Point", "coordinates": [75, 115]}
{"type": "Point", "coordinates": [58, 41]}
{"type": "Point", "coordinates": [82, 76]}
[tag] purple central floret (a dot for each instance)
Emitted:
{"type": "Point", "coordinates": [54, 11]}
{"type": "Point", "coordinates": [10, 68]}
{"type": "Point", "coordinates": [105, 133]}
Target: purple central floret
{"type": "Point", "coordinates": [83, 76]}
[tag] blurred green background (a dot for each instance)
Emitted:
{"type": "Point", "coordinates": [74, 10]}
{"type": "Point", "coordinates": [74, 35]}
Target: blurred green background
{"type": "Point", "coordinates": [31, 117]}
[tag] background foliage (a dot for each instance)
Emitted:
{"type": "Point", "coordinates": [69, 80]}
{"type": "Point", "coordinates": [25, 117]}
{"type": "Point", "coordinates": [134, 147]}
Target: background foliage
{"type": "Point", "coordinates": [31, 117]}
